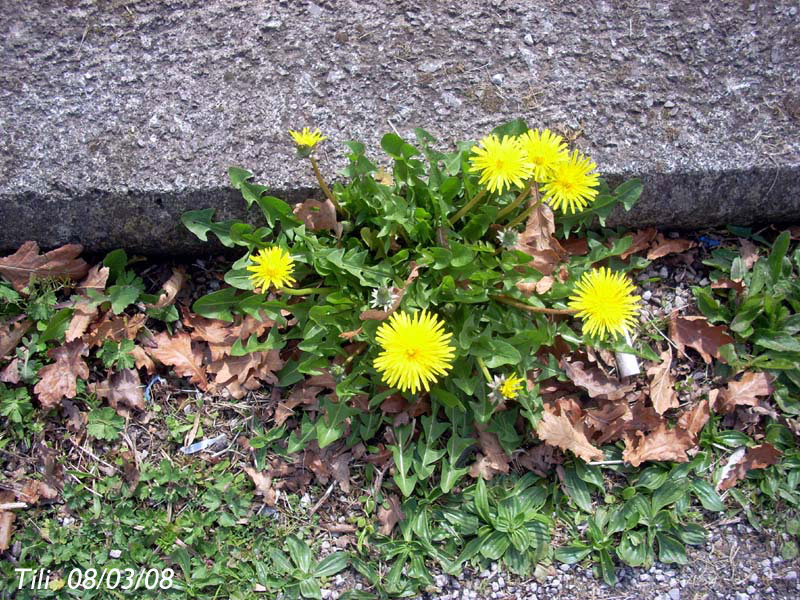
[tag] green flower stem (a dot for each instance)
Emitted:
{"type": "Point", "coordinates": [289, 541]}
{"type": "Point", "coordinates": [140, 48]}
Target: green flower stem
{"type": "Point", "coordinates": [524, 214]}
{"type": "Point", "coordinates": [468, 206]}
{"type": "Point", "coordinates": [324, 185]}
{"type": "Point", "coordinates": [307, 291]}
{"type": "Point", "coordinates": [517, 201]}
{"type": "Point", "coordinates": [537, 309]}
{"type": "Point", "coordinates": [482, 365]}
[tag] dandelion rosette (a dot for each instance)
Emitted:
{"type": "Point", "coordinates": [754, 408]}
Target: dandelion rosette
{"type": "Point", "coordinates": [416, 351]}
{"type": "Point", "coordinates": [501, 163]}
{"type": "Point", "coordinates": [545, 150]}
{"type": "Point", "coordinates": [573, 186]}
{"type": "Point", "coordinates": [271, 266]}
{"type": "Point", "coordinates": [307, 138]}
{"type": "Point", "coordinates": [605, 302]}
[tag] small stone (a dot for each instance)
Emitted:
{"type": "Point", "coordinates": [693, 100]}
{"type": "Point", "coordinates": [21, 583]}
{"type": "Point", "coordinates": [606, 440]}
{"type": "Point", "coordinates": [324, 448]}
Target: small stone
{"type": "Point", "coordinates": [751, 590]}
{"type": "Point", "coordinates": [742, 596]}
{"type": "Point", "coordinates": [753, 578]}
{"type": "Point", "coordinates": [485, 574]}
{"type": "Point", "coordinates": [495, 587]}
{"type": "Point", "coordinates": [497, 79]}
{"type": "Point", "coordinates": [326, 594]}
{"type": "Point", "coordinates": [674, 594]}
{"type": "Point", "coordinates": [564, 568]}
{"type": "Point", "coordinates": [644, 577]}
{"type": "Point", "coordinates": [305, 500]}
{"type": "Point", "coordinates": [663, 273]}
{"type": "Point", "coordinates": [441, 581]}
{"type": "Point", "coordinates": [790, 576]}
{"type": "Point", "coordinates": [765, 563]}
{"type": "Point", "coordinates": [338, 581]}
{"type": "Point", "coordinates": [647, 295]}
{"type": "Point", "coordinates": [776, 560]}
{"type": "Point", "coordinates": [115, 553]}
{"type": "Point", "coordinates": [326, 545]}
{"type": "Point", "coordinates": [528, 39]}
{"type": "Point", "coordinates": [501, 582]}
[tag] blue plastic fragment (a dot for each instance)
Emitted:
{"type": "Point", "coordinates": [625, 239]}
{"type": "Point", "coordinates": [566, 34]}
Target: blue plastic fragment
{"type": "Point", "coordinates": [155, 379]}
{"type": "Point", "coordinates": [709, 242]}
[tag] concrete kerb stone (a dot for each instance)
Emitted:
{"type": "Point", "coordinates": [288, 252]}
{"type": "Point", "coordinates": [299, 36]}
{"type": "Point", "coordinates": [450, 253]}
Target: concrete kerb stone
{"type": "Point", "coordinates": [118, 117]}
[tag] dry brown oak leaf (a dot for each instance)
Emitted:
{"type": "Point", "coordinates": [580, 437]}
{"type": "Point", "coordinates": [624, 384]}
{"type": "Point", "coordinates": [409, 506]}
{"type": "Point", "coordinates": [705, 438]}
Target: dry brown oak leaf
{"type": "Point", "coordinates": [758, 457]}
{"type": "Point", "coordinates": [491, 460]}
{"type": "Point", "coordinates": [59, 380]}
{"type": "Point", "coordinates": [27, 262]}
{"type": "Point", "coordinates": [594, 381]}
{"type": "Point", "coordinates": [10, 336]}
{"type": "Point", "coordinates": [83, 313]}
{"type": "Point", "coordinates": [663, 246]}
{"type": "Point", "coordinates": [123, 390]}
{"type": "Point", "coordinates": [177, 351]}
{"type": "Point", "coordinates": [662, 392]}
{"type": "Point", "coordinates": [171, 288]}
{"type": "Point", "coordinates": [744, 392]}
{"type": "Point", "coordinates": [661, 444]}
{"type": "Point", "coordinates": [559, 431]}
{"type": "Point", "coordinates": [698, 333]}
{"type": "Point", "coordinates": [388, 517]}
{"type": "Point", "coordinates": [538, 242]}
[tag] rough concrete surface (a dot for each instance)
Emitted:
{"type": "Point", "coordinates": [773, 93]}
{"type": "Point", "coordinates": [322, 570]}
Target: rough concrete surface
{"type": "Point", "coordinates": [117, 115]}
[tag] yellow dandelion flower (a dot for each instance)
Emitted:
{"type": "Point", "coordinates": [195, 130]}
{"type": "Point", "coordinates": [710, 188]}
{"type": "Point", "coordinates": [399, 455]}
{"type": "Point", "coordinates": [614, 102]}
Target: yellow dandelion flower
{"type": "Point", "coordinates": [501, 163]}
{"type": "Point", "coordinates": [272, 266]}
{"type": "Point", "coordinates": [415, 351]}
{"type": "Point", "coordinates": [606, 302]}
{"type": "Point", "coordinates": [307, 138]}
{"type": "Point", "coordinates": [545, 150]}
{"type": "Point", "coordinates": [572, 185]}
{"type": "Point", "coordinates": [505, 387]}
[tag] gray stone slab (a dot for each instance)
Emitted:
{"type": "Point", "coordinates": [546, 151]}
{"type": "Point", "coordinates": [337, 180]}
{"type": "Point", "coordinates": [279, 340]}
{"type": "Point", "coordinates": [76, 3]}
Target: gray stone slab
{"type": "Point", "coordinates": [117, 116]}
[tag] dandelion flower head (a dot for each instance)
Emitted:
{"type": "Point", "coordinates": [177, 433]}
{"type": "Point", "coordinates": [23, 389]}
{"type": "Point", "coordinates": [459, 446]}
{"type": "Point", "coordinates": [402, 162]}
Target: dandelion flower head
{"type": "Point", "coordinates": [307, 138]}
{"type": "Point", "coordinates": [572, 185]}
{"type": "Point", "coordinates": [605, 302]}
{"type": "Point", "coordinates": [545, 150]}
{"type": "Point", "coordinates": [416, 351]}
{"type": "Point", "coordinates": [505, 387]}
{"type": "Point", "coordinates": [271, 266]}
{"type": "Point", "coordinates": [501, 163]}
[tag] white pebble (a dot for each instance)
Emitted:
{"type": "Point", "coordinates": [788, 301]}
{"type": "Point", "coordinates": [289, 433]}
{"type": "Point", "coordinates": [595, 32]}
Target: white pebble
{"type": "Point", "coordinates": [115, 553]}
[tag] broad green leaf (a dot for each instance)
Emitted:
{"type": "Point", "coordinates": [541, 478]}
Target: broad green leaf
{"type": "Point", "coordinates": [309, 588]}
{"type": "Point", "coordinates": [494, 545]}
{"type": "Point", "coordinates": [332, 564]}
{"type": "Point", "coordinates": [692, 534]}
{"type": "Point", "coordinates": [572, 553]}
{"type": "Point", "coordinates": [57, 325]}
{"type": "Point", "coordinates": [330, 427]}
{"type": "Point", "coordinates": [670, 549]}
{"type": "Point", "coordinates": [199, 223]}
{"type": "Point", "coordinates": [632, 549]}
{"type": "Point", "coordinates": [577, 489]}
{"type": "Point", "coordinates": [707, 495]}
{"type": "Point", "coordinates": [481, 501]}
{"type": "Point", "coordinates": [669, 493]}
{"type": "Point", "coordinates": [403, 454]}
{"type": "Point", "coordinates": [280, 560]}
{"type": "Point", "coordinates": [122, 296]}
{"type": "Point", "coordinates": [300, 553]}
{"type": "Point", "coordinates": [607, 568]}
{"type": "Point", "coordinates": [776, 256]}
{"type": "Point", "coordinates": [217, 305]}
